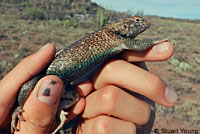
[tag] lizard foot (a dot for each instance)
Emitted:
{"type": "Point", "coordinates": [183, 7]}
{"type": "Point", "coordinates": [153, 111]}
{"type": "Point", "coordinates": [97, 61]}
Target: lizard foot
{"type": "Point", "coordinates": [16, 115]}
{"type": "Point", "coordinates": [63, 118]}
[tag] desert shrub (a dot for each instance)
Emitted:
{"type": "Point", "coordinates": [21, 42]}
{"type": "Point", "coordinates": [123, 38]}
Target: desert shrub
{"type": "Point", "coordinates": [26, 4]}
{"type": "Point", "coordinates": [1, 48]}
{"type": "Point", "coordinates": [103, 17]}
{"type": "Point", "coordinates": [197, 60]}
{"type": "Point", "coordinates": [32, 13]}
{"type": "Point", "coordinates": [185, 66]}
{"type": "Point", "coordinates": [70, 23]}
{"type": "Point", "coordinates": [140, 13]}
{"type": "Point", "coordinates": [174, 62]}
{"type": "Point", "coordinates": [180, 65]}
{"type": "Point", "coordinates": [5, 66]}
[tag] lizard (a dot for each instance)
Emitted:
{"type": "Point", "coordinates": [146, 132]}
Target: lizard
{"type": "Point", "coordinates": [78, 61]}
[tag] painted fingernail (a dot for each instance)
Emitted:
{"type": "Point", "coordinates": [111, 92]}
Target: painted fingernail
{"type": "Point", "coordinates": [170, 95]}
{"type": "Point", "coordinates": [163, 47]}
{"type": "Point", "coordinates": [49, 92]}
{"type": "Point", "coordinates": [44, 47]}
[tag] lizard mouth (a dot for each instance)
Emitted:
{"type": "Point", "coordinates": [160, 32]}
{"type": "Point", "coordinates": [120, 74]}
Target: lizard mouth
{"type": "Point", "coordinates": [142, 28]}
{"type": "Point", "coordinates": [145, 27]}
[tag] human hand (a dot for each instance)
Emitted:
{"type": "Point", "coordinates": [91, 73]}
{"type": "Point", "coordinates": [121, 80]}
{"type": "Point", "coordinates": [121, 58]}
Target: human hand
{"type": "Point", "coordinates": [29, 67]}
{"type": "Point", "coordinates": [39, 112]}
{"type": "Point", "coordinates": [110, 109]}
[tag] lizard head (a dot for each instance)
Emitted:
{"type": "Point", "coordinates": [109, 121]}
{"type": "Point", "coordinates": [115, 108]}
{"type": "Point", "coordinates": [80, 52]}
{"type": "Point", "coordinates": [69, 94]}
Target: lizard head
{"type": "Point", "coordinates": [130, 27]}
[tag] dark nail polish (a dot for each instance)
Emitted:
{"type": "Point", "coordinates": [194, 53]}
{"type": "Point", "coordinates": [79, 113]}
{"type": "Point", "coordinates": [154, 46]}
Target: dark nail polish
{"type": "Point", "coordinates": [53, 82]}
{"type": "Point", "coordinates": [48, 91]}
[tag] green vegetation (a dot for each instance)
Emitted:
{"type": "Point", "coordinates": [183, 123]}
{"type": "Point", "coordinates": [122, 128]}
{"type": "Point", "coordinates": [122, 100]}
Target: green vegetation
{"type": "Point", "coordinates": [32, 13]}
{"type": "Point", "coordinates": [5, 66]}
{"type": "Point", "coordinates": [1, 48]}
{"type": "Point", "coordinates": [25, 4]}
{"type": "Point", "coordinates": [140, 13]}
{"type": "Point", "coordinates": [174, 62]}
{"type": "Point", "coordinates": [184, 66]}
{"type": "Point", "coordinates": [103, 16]}
{"type": "Point", "coordinates": [70, 23]}
{"type": "Point", "coordinates": [197, 60]}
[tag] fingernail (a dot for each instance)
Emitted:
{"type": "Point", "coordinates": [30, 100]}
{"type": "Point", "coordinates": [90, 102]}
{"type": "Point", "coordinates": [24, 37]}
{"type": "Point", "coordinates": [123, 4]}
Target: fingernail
{"type": "Point", "coordinates": [44, 47]}
{"type": "Point", "coordinates": [49, 92]}
{"type": "Point", "coordinates": [170, 95]}
{"type": "Point", "coordinates": [163, 47]}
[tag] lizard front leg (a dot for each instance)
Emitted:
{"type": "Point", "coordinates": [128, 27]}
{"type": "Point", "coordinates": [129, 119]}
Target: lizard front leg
{"type": "Point", "coordinates": [142, 45]}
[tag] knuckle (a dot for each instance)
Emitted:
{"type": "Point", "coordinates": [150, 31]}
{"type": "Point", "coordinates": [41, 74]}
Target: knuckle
{"type": "Point", "coordinates": [110, 67]}
{"type": "Point", "coordinates": [109, 98]}
{"type": "Point", "coordinates": [101, 125]}
{"type": "Point", "coordinates": [33, 125]}
{"type": "Point", "coordinates": [157, 85]}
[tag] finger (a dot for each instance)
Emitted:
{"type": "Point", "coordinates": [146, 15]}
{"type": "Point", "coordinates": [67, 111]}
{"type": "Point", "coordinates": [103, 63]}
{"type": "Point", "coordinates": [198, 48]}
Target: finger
{"type": "Point", "coordinates": [158, 52]}
{"type": "Point", "coordinates": [106, 125]}
{"type": "Point", "coordinates": [133, 78]}
{"type": "Point", "coordinates": [76, 109]}
{"type": "Point", "coordinates": [41, 106]}
{"type": "Point", "coordinates": [113, 101]}
{"type": "Point", "coordinates": [28, 67]}
{"type": "Point", "coordinates": [84, 88]}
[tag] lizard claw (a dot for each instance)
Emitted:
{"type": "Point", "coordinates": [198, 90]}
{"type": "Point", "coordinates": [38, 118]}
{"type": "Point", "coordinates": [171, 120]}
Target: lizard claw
{"type": "Point", "coordinates": [16, 115]}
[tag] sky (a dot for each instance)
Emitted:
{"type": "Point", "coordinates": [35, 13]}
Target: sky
{"type": "Point", "coordinates": [187, 9]}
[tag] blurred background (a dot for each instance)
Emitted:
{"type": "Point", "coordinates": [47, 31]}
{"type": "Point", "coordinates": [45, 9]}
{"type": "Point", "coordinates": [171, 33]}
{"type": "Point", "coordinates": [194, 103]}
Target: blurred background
{"type": "Point", "coordinates": [185, 9]}
{"type": "Point", "coordinates": [26, 25]}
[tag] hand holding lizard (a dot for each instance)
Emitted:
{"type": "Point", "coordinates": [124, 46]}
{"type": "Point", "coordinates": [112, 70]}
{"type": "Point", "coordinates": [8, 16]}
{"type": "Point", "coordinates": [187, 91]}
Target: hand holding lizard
{"type": "Point", "coordinates": [39, 115]}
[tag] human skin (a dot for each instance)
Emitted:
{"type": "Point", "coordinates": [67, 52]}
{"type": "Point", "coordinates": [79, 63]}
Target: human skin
{"type": "Point", "coordinates": [108, 109]}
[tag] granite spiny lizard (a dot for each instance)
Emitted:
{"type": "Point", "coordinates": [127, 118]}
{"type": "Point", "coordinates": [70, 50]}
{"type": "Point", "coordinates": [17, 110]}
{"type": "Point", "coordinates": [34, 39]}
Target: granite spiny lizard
{"type": "Point", "coordinates": [76, 62]}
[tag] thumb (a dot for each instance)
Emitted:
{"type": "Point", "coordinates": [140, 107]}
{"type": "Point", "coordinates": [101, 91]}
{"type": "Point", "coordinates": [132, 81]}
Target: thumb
{"type": "Point", "coordinates": [41, 106]}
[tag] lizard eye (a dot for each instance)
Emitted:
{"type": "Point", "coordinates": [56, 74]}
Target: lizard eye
{"type": "Point", "coordinates": [137, 20]}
